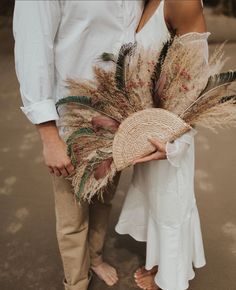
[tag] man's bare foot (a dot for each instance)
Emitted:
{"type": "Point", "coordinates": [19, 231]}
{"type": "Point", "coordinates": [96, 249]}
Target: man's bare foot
{"type": "Point", "coordinates": [145, 279]}
{"type": "Point", "coordinates": [106, 273]}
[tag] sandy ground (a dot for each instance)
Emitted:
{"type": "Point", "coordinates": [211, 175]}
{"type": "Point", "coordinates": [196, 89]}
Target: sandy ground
{"type": "Point", "coordinates": [221, 27]}
{"type": "Point", "coordinates": [28, 249]}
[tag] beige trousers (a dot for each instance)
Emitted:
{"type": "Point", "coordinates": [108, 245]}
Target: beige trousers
{"type": "Point", "coordinates": [81, 230]}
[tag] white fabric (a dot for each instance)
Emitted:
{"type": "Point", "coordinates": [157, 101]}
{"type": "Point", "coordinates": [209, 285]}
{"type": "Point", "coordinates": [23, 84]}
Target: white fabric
{"type": "Point", "coordinates": [160, 206]}
{"type": "Point", "coordinates": [56, 40]}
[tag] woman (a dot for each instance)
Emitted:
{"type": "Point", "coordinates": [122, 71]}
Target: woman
{"type": "Point", "coordinates": [160, 207]}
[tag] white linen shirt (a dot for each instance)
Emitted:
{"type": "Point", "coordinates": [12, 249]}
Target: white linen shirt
{"type": "Point", "coordinates": [56, 40]}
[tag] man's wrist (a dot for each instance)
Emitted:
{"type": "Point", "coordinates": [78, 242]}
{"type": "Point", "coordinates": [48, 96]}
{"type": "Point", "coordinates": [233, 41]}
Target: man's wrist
{"type": "Point", "coordinates": [48, 132]}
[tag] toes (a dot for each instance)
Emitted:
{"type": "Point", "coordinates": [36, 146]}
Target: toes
{"type": "Point", "coordinates": [140, 272]}
{"type": "Point", "coordinates": [106, 273]}
{"type": "Point", "coordinates": [110, 281]}
{"type": "Point", "coordinates": [143, 275]}
{"type": "Point", "coordinates": [112, 278]}
{"type": "Point", "coordinates": [147, 282]}
{"type": "Point", "coordinates": [113, 271]}
{"type": "Point", "coordinates": [138, 279]}
{"type": "Point", "coordinates": [110, 269]}
{"type": "Point", "coordinates": [141, 284]}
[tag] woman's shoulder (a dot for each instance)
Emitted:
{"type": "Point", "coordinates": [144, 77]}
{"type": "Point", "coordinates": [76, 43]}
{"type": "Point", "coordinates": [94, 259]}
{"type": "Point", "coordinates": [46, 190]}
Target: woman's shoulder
{"type": "Point", "coordinates": [182, 6]}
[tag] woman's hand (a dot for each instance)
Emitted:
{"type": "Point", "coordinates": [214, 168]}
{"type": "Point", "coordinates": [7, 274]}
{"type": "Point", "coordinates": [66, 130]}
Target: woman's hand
{"type": "Point", "coordinates": [159, 154]}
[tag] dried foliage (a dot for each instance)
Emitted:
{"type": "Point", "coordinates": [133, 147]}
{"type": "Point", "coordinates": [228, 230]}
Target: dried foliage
{"type": "Point", "coordinates": [177, 78]}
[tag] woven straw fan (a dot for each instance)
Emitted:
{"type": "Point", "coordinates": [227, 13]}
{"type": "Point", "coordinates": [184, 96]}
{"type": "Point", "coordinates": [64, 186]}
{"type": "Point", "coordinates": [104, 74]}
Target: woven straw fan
{"type": "Point", "coordinates": [131, 140]}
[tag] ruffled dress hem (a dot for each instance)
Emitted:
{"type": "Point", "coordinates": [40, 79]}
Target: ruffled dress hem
{"type": "Point", "coordinates": [174, 248]}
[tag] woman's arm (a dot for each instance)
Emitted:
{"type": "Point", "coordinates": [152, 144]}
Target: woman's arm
{"type": "Point", "coordinates": [185, 16]}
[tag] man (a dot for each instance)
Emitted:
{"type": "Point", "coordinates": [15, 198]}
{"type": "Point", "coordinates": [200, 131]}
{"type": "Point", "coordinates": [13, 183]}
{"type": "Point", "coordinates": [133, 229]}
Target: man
{"type": "Point", "coordinates": [56, 40]}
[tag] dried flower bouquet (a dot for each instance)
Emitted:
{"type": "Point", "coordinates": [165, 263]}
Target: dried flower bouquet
{"type": "Point", "coordinates": [143, 92]}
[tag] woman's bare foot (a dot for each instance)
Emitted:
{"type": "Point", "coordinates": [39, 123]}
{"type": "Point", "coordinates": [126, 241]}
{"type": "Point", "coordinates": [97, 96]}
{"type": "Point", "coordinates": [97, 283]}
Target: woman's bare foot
{"type": "Point", "coordinates": [148, 283]}
{"type": "Point", "coordinates": [106, 273]}
{"type": "Point", "coordinates": [142, 272]}
{"type": "Point", "coordinates": [145, 279]}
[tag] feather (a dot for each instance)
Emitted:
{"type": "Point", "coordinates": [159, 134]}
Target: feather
{"type": "Point", "coordinates": [219, 116]}
{"type": "Point", "coordinates": [125, 50]}
{"type": "Point", "coordinates": [72, 150]}
{"type": "Point", "coordinates": [80, 132]}
{"type": "Point", "coordinates": [228, 98]}
{"type": "Point", "coordinates": [213, 101]}
{"type": "Point", "coordinates": [84, 132]}
{"type": "Point", "coordinates": [158, 68]}
{"type": "Point", "coordinates": [107, 57]}
{"type": "Point", "coordinates": [218, 80]}
{"type": "Point", "coordinates": [218, 87]}
{"type": "Point", "coordinates": [88, 102]}
{"type": "Point", "coordinates": [83, 100]}
{"type": "Point", "coordinates": [92, 165]}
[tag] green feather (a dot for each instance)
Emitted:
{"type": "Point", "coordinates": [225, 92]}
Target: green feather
{"type": "Point", "coordinates": [158, 66]}
{"type": "Point", "coordinates": [71, 141]}
{"type": "Point", "coordinates": [82, 100]}
{"type": "Point", "coordinates": [125, 50]}
{"type": "Point", "coordinates": [87, 102]}
{"type": "Point", "coordinates": [107, 57]}
{"type": "Point", "coordinates": [72, 156]}
{"type": "Point", "coordinates": [92, 165]}
{"type": "Point", "coordinates": [79, 133]}
{"type": "Point", "coordinates": [83, 181]}
{"type": "Point", "coordinates": [73, 138]}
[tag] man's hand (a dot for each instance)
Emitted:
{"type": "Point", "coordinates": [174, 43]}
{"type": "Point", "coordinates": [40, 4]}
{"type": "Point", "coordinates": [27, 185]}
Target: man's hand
{"type": "Point", "coordinates": [55, 150]}
{"type": "Point", "coordinates": [159, 154]}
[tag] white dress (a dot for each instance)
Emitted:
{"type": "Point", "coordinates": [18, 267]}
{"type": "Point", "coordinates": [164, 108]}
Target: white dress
{"type": "Point", "coordinates": [160, 206]}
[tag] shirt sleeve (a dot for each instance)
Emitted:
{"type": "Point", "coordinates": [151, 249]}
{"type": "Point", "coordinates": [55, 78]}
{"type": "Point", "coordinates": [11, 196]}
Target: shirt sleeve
{"type": "Point", "coordinates": [35, 25]}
